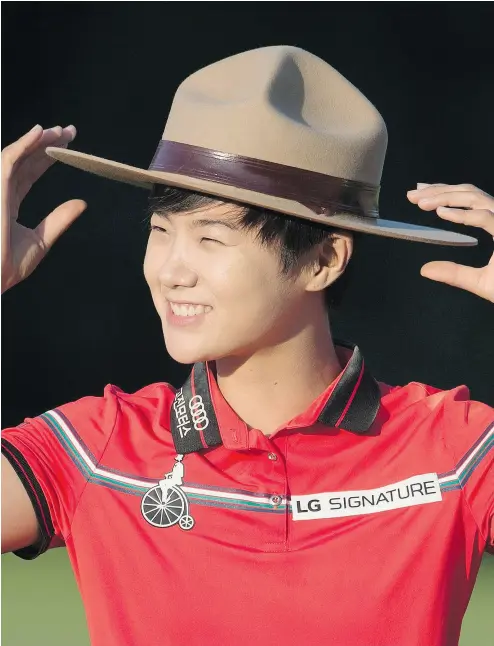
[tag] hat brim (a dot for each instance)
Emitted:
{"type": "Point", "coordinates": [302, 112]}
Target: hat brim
{"type": "Point", "coordinates": [145, 179]}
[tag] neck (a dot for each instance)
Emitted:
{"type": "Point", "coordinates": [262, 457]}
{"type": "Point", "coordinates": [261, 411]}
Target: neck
{"type": "Point", "coordinates": [277, 383]}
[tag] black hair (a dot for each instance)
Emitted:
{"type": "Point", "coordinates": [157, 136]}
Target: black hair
{"type": "Point", "coordinates": [292, 237]}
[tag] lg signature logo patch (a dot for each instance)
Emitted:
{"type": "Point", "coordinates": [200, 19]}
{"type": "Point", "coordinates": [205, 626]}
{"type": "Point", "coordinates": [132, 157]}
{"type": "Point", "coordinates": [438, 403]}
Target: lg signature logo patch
{"type": "Point", "coordinates": [417, 490]}
{"type": "Point", "coordinates": [198, 416]}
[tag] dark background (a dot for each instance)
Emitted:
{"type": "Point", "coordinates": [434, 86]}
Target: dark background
{"type": "Point", "coordinates": [85, 318]}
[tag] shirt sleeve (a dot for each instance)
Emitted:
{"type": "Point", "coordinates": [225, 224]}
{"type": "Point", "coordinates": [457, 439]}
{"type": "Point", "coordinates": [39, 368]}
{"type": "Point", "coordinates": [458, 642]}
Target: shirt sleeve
{"type": "Point", "coordinates": [468, 432]}
{"type": "Point", "coordinates": [54, 456]}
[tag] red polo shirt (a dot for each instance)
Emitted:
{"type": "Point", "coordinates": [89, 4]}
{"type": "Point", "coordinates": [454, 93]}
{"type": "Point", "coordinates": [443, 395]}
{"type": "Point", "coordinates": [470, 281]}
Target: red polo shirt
{"type": "Point", "coordinates": [360, 522]}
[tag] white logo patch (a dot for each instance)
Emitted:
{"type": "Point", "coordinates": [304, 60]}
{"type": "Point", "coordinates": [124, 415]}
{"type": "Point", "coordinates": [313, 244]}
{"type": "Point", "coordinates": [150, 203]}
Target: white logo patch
{"type": "Point", "coordinates": [417, 490]}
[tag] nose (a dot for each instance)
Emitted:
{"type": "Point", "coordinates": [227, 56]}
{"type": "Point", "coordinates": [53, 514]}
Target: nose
{"type": "Point", "coordinates": [175, 272]}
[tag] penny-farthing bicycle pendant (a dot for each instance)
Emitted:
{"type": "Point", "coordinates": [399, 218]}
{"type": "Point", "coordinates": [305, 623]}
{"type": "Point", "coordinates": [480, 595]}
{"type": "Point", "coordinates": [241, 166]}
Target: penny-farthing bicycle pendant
{"type": "Point", "coordinates": [166, 504]}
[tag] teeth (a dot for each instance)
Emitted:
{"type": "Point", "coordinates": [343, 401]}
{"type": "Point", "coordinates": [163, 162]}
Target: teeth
{"type": "Point", "coordinates": [183, 309]}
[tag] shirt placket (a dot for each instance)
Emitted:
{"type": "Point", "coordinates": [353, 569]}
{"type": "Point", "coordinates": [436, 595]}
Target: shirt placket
{"type": "Point", "coordinates": [272, 455]}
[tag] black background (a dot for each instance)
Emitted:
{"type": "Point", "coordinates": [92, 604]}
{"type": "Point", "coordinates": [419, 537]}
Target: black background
{"type": "Point", "coordinates": [85, 318]}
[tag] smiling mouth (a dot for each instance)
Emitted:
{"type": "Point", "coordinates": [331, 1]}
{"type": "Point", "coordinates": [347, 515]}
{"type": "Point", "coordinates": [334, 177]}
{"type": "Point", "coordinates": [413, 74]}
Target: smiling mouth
{"type": "Point", "coordinates": [186, 309]}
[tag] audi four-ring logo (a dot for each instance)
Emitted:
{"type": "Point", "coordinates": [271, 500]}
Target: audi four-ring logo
{"type": "Point", "coordinates": [198, 412]}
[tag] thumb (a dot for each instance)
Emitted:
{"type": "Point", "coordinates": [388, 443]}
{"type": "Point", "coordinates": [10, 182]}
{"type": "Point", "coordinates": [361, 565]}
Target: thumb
{"type": "Point", "coordinates": [58, 221]}
{"type": "Point", "coordinates": [453, 274]}
{"type": "Point", "coordinates": [437, 270]}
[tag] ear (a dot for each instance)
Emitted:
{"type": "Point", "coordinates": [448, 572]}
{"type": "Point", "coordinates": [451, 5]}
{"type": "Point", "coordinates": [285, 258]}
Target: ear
{"type": "Point", "coordinates": [331, 259]}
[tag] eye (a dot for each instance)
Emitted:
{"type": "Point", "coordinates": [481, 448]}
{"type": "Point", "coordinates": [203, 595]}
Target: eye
{"type": "Point", "coordinates": [154, 227]}
{"type": "Point", "coordinates": [210, 240]}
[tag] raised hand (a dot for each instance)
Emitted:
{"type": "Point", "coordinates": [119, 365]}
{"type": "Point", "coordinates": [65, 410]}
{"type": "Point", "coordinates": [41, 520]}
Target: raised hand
{"type": "Point", "coordinates": [23, 162]}
{"type": "Point", "coordinates": [463, 204]}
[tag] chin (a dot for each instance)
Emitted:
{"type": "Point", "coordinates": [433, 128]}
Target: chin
{"type": "Point", "coordinates": [190, 349]}
{"type": "Point", "coordinates": [184, 353]}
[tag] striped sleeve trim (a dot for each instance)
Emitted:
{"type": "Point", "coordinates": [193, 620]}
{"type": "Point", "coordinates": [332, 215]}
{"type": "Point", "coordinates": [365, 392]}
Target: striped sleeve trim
{"type": "Point", "coordinates": [38, 500]}
{"type": "Point", "coordinates": [458, 477]}
{"type": "Point", "coordinates": [84, 460]}
{"type": "Point", "coordinates": [201, 494]}
{"type": "Point", "coordinates": [97, 474]}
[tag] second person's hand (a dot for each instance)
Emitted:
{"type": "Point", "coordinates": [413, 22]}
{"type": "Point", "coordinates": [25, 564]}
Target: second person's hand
{"type": "Point", "coordinates": [23, 162]}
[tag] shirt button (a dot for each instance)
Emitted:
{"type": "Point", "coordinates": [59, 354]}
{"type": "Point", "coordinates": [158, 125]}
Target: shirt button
{"type": "Point", "coordinates": [272, 456]}
{"type": "Point", "coordinates": [276, 501]}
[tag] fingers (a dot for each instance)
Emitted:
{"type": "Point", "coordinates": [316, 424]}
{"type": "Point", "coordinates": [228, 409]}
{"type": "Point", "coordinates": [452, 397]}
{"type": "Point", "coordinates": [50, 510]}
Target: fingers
{"type": "Point", "coordinates": [461, 203]}
{"type": "Point", "coordinates": [58, 221]}
{"type": "Point", "coordinates": [431, 190]}
{"type": "Point", "coordinates": [482, 218]}
{"type": "Point", "coordinates": [459, 199]}
{"type": "Point", "coordinates": [33, 166]}
{"type": "Point", "coordinates": [459, 195]}
{"type": "Point", "coordinates": [34, 140]}
{"type": "Point", "coordinates": [19, 149]}
{"type": "Point", "coordinates": [56, 136]}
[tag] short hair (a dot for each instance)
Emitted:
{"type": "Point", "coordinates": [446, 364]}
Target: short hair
{"type": "Point", "coordinates": [289, 236]}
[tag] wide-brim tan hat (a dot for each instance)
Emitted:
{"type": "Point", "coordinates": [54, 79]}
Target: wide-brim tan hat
{"type": "Point", "coordinates": [278, 128]}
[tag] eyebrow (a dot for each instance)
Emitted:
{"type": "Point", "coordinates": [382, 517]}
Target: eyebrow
{"type": "Point", "coordinates": [205, 222]}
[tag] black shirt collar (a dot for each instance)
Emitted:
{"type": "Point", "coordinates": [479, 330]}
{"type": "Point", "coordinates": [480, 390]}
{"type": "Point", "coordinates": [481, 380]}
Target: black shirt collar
{"type": "Point", "coordinates": [202, 419]}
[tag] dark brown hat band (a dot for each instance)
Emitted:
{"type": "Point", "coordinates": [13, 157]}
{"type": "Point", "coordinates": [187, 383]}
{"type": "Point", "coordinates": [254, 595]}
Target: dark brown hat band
{"type": "Point", "coordinates": [323, 194]}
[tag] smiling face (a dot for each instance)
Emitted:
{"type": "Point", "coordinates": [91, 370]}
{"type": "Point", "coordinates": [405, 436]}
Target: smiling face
{"type": "Point", "coordinates": [217, 290]}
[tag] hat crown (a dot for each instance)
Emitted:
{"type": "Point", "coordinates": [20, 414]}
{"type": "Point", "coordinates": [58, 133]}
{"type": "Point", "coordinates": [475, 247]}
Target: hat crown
{"type": "Point", "coordinates": [280, 129]}
{"type": "Point", "coordinates": [284, 105]}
